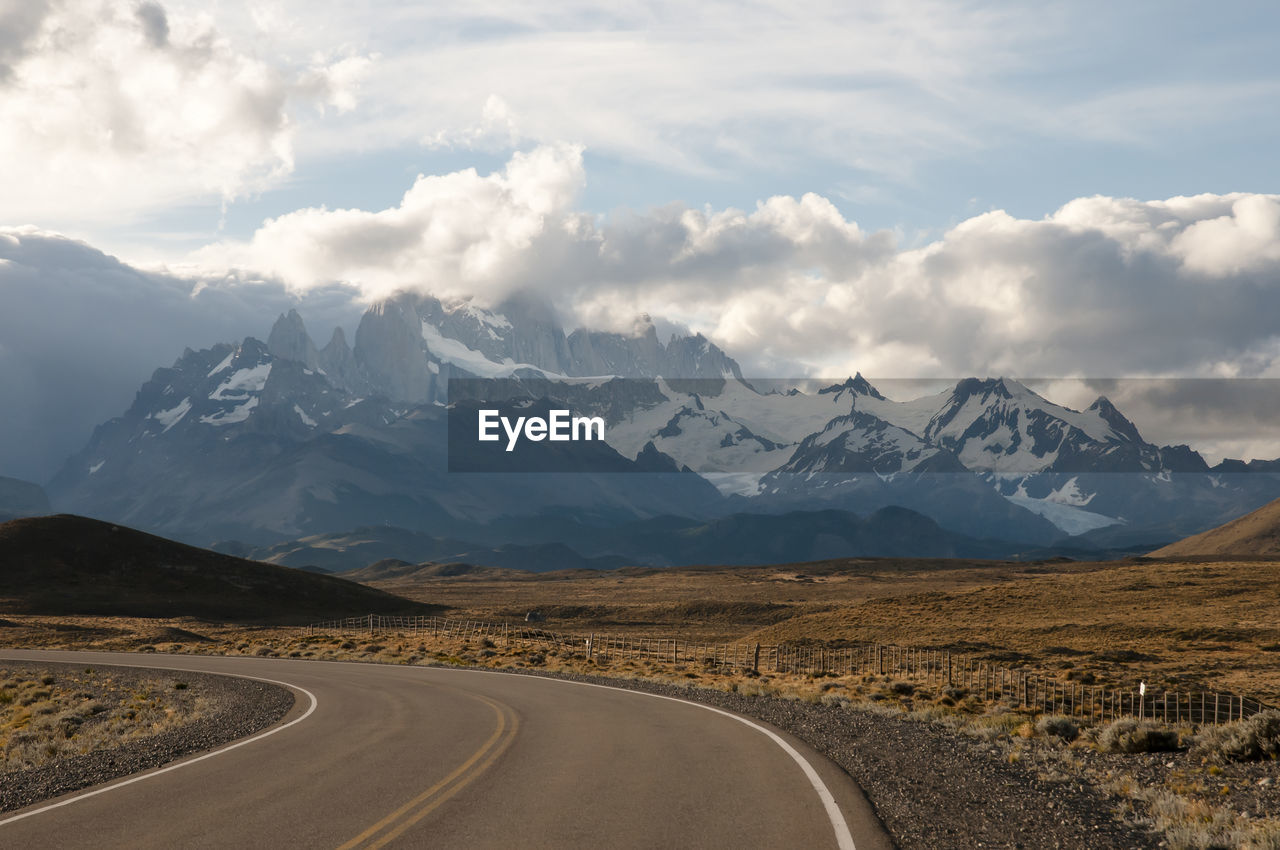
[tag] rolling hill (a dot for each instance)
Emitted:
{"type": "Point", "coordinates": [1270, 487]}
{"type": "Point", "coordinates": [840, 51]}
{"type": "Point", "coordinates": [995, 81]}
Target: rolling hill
{"type": "Point", "coordinates": [1256, 533]}
{"type": "Point", "coordinates": [72, 565]}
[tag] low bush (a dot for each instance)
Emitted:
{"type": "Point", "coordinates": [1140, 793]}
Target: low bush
{"type": "Point", "coordinates": [1252, 739]}
{"type": "Point", "coordinates": [1058, 726]}
{"type": "Point", "coordinates": [1128, 735]}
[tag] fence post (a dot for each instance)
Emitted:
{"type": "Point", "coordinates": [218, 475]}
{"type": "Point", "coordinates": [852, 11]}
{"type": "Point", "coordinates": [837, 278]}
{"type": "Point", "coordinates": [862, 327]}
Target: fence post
{"type": "Point", "coordinates": [755, 664]}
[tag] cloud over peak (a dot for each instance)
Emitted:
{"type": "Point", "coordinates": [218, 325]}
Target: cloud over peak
{"type": "Point", "coordinates": [1102, 286]}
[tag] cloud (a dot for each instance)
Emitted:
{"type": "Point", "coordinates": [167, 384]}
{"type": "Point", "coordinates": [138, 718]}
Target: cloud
{"type": "Point", "coordinates": [1102, 287]}
{"type": "Point", "coordinates": [455, 234]}
{"type": "Point", "coordinates": [80, 331]}
{"type": "Point", "coordinates": [709, 91]}
{"type": "Point", "coordinates": [497, 130]}
{"type": "Point", "coordinates": [876, 91]}
{"type": "Point", "coordinates": [19, 23]}
{"type": "Point", "coordinates": [110, 111]}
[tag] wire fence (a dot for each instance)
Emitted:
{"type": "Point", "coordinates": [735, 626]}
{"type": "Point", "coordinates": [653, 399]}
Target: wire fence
{"type": "Point", "coordinates": [965, 674]}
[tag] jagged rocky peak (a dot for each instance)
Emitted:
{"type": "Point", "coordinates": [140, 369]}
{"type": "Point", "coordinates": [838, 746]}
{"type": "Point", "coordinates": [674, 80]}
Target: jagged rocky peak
{"type": "Point", "coordinates": [338, 363]}
{"type": "Point", "coordinates": [289, 339]}
{"type": "Point", "coordinates": [536, 335]}
{"type": "Point", "coordinates": [391, 352]}
{"type": "Point", "coordinates": [408, 345]}
{"type": "Point", "coordinates": [337, 345]}
{"type": "Point", "coordinates": [636, 353]}
{"type": "Point", "coordinates": [985, 388]}
{"type": "Point", "coordinates": [857, 385]}
{"type": "Point", "coordinates": [1108, 413]}
{"type": "Point", "coordinates": [697, 357]}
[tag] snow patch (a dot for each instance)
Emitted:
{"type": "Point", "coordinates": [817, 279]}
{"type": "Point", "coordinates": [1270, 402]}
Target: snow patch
{"type": "Point", "coordinates": [306, 420]}
{"type": "Point", "coordinates": [1067, 518]}
{"type": "Point", "coordinates": [223, 365]}
{"type": "Point", "coordinates": [471, 360]}
{"type": "Point", "coordinates": [735, 483]}
{"type": "Point", "coordinates": [1069, 494]}
{"type": "Point", "coordinates": [96, 467]}
{"type": "Point", "coordinates": [241, 382]}
{"type": "Point", "coordinates": [172, 416]}
{"type": "Point", "coordinates": [239, 413]}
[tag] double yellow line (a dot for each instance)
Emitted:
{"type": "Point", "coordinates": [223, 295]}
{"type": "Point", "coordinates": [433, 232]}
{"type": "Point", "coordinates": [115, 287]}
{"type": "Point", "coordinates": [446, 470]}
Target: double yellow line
{"type": "Point", "coordinates": [393, 825]}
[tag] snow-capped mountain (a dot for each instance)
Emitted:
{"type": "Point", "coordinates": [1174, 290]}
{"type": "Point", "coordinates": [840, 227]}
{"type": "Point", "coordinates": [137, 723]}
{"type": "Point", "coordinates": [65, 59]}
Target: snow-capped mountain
{"type": "Point", "coordinates": [267, 441]}
{"type": "Point", "coordinates": [860, 442]}
{"type": "Point", "coordinates": [258, 442]}
{"type": "Point", "coordinates": [409, 346]}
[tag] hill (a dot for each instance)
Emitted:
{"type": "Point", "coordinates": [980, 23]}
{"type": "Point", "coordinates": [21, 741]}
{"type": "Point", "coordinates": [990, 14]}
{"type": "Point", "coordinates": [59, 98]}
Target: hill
{"type": "Point", "coordinates": [21, 498]}
{"type": "Point", "coordinates": [72, 565]}
{"type": "Point", "coordinates": [1256, 533]}
{"type": "Point", "coordinates": [353, 550]}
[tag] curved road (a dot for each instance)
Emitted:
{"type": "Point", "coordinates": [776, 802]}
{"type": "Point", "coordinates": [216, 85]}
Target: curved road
{"type": "Point", "coordinates": [374, 755]}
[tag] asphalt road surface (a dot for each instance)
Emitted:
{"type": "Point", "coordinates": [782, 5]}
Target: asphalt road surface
{"type": "Point", "coordinates": [376, 755]}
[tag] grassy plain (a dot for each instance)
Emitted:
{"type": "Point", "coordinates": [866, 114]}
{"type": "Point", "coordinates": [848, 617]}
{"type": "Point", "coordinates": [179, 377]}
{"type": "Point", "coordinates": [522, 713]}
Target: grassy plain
{"type": "Point", "coordinates": [1190, 625]}
{"type": "Point", "coordinates": [1185, 624]}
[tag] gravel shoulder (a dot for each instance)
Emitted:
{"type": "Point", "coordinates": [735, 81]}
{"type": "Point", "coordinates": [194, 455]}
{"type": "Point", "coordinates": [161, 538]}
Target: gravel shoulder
{"type": "Point", "coordinates": [229, 708]}
{"type": "Point", "coordinates": [931, 788]}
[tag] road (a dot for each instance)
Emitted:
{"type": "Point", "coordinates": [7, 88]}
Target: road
{"type": "Point", "coordinates": [379, 755]}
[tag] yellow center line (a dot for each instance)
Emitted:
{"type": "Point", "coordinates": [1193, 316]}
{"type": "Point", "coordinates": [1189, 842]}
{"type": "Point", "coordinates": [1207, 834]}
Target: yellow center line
{"type": "Point", "coordinates": [493, 747]}
{"type": "Point", "coordinates": [462, 783]}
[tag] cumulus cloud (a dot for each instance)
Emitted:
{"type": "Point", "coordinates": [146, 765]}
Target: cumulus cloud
{"type": "Point", "coordinates": [1102, 287]}
{"type": "Point", "coordinates": [80, 331]}
{"type": "Point", "coordinates": [454, 234]}
{"type": "Point", "coordinates": [110, 110]}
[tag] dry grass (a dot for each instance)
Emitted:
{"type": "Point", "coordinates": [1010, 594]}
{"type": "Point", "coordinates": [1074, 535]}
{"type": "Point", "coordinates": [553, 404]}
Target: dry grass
{"type": "Point", "coordinates": [1182, 625]}
{"type": "Point", "coordinates": [45, 716]}
{"type": "Point", "coordinates": [1175, 625]}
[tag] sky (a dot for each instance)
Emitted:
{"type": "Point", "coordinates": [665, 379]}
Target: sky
{"type": "Point", "coordinates": [906, 189]}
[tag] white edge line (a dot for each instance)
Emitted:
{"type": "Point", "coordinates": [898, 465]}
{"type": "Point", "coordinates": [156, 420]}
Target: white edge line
{"type": "Point", "coordinates": [844, 840]}
{"type": "Point", "coordinates": [141, 776]}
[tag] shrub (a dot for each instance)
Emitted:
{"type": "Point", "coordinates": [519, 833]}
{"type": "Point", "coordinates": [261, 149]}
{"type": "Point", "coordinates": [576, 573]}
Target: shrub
{"type": "Point", "coordinates": [1128, 735]}
{"type": "Point", "coordinates": [1058, 726]}
{"type": "Point", "coordinates": [904, 689]}
{"type": "Point", "coordinates": [1252, 739]}
{"type": "Point", "coordinates": [179, 686]}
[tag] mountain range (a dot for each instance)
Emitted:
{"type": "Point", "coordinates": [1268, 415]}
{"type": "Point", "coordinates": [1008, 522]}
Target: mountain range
{"type": "Point", "coordinates": [256, 444]}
